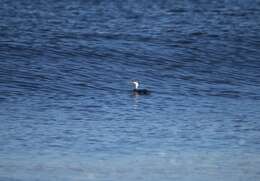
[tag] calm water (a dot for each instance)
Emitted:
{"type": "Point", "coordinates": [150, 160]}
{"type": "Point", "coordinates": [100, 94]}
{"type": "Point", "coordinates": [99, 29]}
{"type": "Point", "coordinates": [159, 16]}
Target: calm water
{"type": "Point", "coordinates": [66, 108]}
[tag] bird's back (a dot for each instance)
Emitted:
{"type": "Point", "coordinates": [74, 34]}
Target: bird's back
{"type": "Point", "coordinates": [141, 91]}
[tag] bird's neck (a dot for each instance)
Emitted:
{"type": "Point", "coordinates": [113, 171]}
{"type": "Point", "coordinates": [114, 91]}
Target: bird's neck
{"type": "Point", "coordinates": [136, 85]}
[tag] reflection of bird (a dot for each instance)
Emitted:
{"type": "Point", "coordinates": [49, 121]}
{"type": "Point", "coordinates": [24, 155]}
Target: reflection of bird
{"type": "Point", "coordinates": [138, 91]}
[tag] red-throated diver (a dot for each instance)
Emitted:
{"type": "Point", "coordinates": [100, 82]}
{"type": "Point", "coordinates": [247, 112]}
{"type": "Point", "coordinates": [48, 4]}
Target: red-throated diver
{"type": "Point", "coordinates": [138, 91]}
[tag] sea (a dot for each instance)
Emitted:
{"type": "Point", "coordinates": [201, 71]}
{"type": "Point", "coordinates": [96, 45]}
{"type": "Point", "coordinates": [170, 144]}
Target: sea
{"type": "Point", "coordinates": [67, 110]}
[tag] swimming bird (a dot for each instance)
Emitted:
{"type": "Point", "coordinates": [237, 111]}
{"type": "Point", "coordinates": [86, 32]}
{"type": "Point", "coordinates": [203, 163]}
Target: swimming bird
{"type": "Point", "coordinates": [138, 91]}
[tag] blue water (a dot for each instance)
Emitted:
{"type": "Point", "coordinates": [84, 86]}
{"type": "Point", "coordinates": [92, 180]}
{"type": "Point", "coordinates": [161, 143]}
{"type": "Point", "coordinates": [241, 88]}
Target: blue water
{"type": "Point", "coordinates": [66, 107]}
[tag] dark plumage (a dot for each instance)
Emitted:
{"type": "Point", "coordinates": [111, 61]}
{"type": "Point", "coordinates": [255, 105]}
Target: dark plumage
{"type": "Point", "coordinates": [141, 91]}
{"type": "Point", "coordinates": [138, 91]}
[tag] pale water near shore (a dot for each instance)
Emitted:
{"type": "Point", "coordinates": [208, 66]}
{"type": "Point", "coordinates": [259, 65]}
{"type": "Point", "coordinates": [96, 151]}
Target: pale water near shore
{"type": "Point", "coordinates": [197, 166]}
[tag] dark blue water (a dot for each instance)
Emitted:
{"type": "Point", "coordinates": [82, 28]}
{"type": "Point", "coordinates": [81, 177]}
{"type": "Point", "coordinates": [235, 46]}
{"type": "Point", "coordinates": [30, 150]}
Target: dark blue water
{"type": "Point", "coordinates": [66, 107]}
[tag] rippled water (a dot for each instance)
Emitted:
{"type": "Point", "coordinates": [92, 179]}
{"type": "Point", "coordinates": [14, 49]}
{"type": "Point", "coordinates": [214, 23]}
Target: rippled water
{"type": "Point", "coordinates": [66, 107]}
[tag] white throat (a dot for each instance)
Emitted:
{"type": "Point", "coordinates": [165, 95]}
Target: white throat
{"type": "Point", "coordinates": [136, 84]}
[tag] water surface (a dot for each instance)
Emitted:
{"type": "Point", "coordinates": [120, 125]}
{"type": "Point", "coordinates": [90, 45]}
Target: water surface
{"type": "Point", "coordinates": [66, 107]}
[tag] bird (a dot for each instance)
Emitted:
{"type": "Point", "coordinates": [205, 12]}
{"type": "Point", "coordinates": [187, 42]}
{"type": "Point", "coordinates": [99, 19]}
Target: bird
{"type": "Point", "coordinates": [138, 91]}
